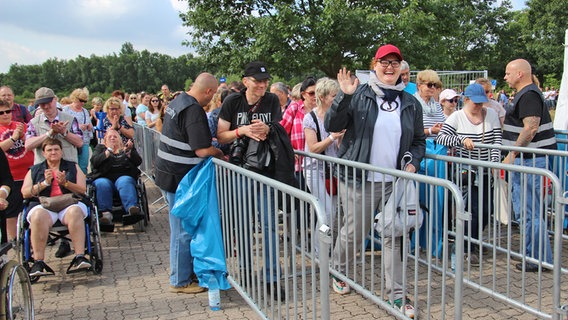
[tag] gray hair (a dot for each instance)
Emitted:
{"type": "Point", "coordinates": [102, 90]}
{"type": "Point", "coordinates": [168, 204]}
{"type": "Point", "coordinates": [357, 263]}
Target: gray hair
{"type": "Point", "coordinates": [404, 65]}
{"type": "Point", "coordinates": [280, 87]}
{"type": "Point", "coordinates": [324, 87]}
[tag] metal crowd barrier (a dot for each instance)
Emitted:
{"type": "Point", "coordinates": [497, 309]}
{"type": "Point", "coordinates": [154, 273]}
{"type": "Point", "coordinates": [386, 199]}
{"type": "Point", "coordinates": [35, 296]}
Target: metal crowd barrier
{"type": "Point", "coordinates": [502, 243]}
{"type": "Point", "coordinates": [427, 282]}
{"type": "Point", "coordinates": [260, 249]}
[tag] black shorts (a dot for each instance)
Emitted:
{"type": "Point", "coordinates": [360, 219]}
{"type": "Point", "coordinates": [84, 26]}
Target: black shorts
{"type": "Point", "coordinates": [15, 201]}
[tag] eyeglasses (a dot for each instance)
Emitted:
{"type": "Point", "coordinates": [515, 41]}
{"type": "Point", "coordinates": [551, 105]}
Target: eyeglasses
{"type": "Point", "coordinates": [83, 101]}
{"type": "Point", "coordinates": [310, 93]}
{"type": "Point", "coordinates": [454, 100]}
{"type": "Point", "coordinates": [113, 109]}
{"type": "Point", "coordinates": [431, 85]}
{"type": "Point", "coordinates": [133, 98]}
{"type": "Point", "coordinates": [5, 112]}
{"type": "Point", "coordinates": [385, 63]}
{"type": "Point", "coordinates": [258, 81]}
{"type": "Point", "coordinates": [153, 100]}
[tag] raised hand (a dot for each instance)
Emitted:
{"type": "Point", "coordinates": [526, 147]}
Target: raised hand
{"type": "Point", "coordinates": [347, 83]}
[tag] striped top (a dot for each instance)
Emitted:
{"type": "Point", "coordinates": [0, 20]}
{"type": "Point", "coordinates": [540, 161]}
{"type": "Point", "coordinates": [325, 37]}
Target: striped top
{"type": "Point", "coordinates": [431, 113]}
{"type": "Point", "coordinates": [458, 127]}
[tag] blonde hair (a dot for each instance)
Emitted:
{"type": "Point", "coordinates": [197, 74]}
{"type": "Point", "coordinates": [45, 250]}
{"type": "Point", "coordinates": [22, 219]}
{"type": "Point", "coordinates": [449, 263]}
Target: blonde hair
{"type": "Point", "coordinates": [426, 76]}
{"type": "Point", "coordinates": [79, 94]}
{"type": "Point", "coordinates": [115, 102]}
{"type": "Point", "coordinates": [296, 92]}
{"type": "Point", "coordinates": [324, 87]}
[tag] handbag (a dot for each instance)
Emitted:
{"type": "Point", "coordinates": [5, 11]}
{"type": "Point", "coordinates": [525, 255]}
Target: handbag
{"type": "Point", "coordinates": [330, 180]}
{"type": "Point", "coordinates": [402, 213]}
{"type": "Point", "coordinates": [58, 203]}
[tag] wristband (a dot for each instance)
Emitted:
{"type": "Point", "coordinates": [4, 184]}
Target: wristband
{"type": "Point", "coordinates": [45, 184]}
{"type": "Point", "coordinates": [237, 133]}
{"type": "Point", "coordinates": [109, 149]}
{"type": "Point", "coordinates": [65, 134]}
{"type": "Point", "coordinates": [331, 138]}
{"type": "Point", "coordinates": [6, 191]}
{"type": "Point", "coordinates": [13, 140]}
{"type": "Point", "coordinates": [66, 183]}
{"type": "Point", "coordinates": [430, 131]}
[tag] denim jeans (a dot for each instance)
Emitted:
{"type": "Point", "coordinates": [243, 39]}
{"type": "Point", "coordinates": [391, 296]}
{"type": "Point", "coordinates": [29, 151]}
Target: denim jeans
{"type": "Point", "coordinates": [105, 188]}
{"type": "Point", "coordinates": [535, 229]}
{"type": "Point", "coordinates": [181, 260]}
{"type": "Point", "coordinates": [83, 158]}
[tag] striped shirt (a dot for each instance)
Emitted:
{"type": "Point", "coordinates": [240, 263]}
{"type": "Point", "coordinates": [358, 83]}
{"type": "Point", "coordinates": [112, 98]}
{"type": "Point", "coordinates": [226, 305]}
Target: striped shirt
{"type": "Point", "coordinates": [458, 127]}
{"type": "Point", "coordinates": [431, 113]}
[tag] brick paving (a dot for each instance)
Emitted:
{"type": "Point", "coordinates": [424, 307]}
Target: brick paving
{"type": "Point", "coordinates": [134, 285]}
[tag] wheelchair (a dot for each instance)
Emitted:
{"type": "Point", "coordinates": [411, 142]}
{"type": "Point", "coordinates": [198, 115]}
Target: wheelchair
{"type": "Point", "coordinates": [16, 301]}
{"type": "Point", "coordinates": [119, 213]}
{"type": "Point", "coordinates": [93, 246]}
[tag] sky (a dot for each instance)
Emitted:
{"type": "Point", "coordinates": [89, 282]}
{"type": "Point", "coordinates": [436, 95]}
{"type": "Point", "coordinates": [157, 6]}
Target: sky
{"type": "Point", "coordinates": [34, 31]}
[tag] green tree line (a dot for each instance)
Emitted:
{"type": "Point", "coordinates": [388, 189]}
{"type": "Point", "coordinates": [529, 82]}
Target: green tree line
{"type": "Point", "coordinates": [297, 38]}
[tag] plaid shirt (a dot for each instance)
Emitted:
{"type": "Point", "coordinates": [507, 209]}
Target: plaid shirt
{"type": "Point", "coordinates": [292, 120]}
{"type": "Point", "coordinates": [20, 113]}
{"type": "Point", "coordinates": [32, 132]}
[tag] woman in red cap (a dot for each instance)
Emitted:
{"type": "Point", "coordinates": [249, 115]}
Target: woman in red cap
{"type": "Point", "coordinates": [383, 124]}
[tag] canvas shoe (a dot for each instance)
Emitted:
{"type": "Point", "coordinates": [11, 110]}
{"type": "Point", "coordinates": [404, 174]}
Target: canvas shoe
{"type": "Point", "coordinates": [340, 286]}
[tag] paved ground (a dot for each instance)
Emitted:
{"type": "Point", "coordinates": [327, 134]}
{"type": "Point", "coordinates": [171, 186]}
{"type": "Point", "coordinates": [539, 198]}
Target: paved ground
{"type": "Point", "coordinates": [134, 285]}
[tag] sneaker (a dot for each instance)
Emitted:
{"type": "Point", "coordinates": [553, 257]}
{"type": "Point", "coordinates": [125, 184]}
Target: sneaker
{"type": "Point", "coordinates": [529, 267]}
{"type": "Point", "coordinates": [272, 288]}
{"type": "Point", "coordinates": [106, 218]}
{"type": "Point", "coordinates": [340, 286]}
{"type": "Point", "coordinates": [188, 288]}
{"type": "Point", "coordinates": [39, 268]}
{"type": "Point", "coordinates": [64, 249]}
{"type": "Point", "coordinates": [79, 263]}
{"type": "Point", "coordinates": [473, 259]}
{"type": "Point", "coordinates": [134, 211]}
{"type": "Point", "coordinates": [407, 308]}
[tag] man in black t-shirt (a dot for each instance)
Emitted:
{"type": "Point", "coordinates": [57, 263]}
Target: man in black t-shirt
{"type": "Point", "coordinates": [245, 115]}
{"type": "Point", "coordinates": [184, 142]}
{"type": "Point", "coordinates": [528, 124]}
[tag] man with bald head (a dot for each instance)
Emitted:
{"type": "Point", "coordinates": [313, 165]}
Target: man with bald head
{"type": "Point", "coordinates": [528, 124]}
{"type": "Point", "coordinates": [184, 142]}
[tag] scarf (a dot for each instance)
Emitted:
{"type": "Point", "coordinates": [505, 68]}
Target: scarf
{"type": "Point", "coordinates": [385, 91]}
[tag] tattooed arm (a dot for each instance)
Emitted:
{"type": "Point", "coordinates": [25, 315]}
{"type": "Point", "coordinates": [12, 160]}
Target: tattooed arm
{"type": "Point", "coordinates": [526, 135]}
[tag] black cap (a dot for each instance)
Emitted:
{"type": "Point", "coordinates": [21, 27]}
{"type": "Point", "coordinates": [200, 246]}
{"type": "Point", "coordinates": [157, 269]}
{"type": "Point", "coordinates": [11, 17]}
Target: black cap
{"type": "Point", "coordinates": [257, 70]}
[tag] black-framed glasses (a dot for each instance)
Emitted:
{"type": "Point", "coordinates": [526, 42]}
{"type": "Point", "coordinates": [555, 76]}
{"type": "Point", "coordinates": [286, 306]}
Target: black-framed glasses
{"type": "Point", "coordinates": [431, 85]}
{"type": "Point", "coordinates": [5, 112]}
{"type": "Point", "coordinates": [454, 100]}
{"type": "Point", "coordinates": [385, 63]}
{"type": "Point", "coordinates": [154, 100]}
{"type": "Point", "coordinates": [83, 101]}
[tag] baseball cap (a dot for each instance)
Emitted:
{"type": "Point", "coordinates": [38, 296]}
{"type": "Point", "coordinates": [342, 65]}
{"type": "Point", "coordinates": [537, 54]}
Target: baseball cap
{"type": "Point", "coordinates": [257, 70]}
{"type": "Point", "coordinates": [222, 80]}
{"type": "Point", "coordinates": [448, 94]}
{"type": "Point", "coordinates": [387, 49]}
{"type": "Point", "coordinates": [476, 93]}
{"type": "Point", "coordinates": [44, 95]}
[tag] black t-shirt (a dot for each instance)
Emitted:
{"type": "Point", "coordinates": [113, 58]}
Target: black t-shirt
{"type": "Point", "coordinates": [235, 109]}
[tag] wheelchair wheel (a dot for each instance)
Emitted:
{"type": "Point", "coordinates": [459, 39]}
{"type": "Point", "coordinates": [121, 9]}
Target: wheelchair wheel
{"type": "Point", "coordinates": [143, 199]}
{"type": "Point", "coordinates": [23, 252]}
{"type": "Point", "coordinates": [96, 247]}
{"type": "Point", "coordinates": [16, 301]}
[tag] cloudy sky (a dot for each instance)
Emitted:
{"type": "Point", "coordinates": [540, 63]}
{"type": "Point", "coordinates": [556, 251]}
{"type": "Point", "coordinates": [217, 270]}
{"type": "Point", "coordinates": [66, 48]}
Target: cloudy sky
{"type": "Point", "coordinates": [36, 30]}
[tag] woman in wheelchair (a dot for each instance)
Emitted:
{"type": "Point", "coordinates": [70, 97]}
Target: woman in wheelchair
{"type": "Point", "coordinates": [114, 168]}
{"type": "Point", "coordinates": [50, 178]}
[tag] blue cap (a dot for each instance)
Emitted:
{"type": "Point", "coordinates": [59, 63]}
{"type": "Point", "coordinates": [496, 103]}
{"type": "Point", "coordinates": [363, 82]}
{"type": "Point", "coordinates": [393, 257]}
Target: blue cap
{"type": "Point", "coordinates": [222, 80]}
{"type": "Point", "coordinates": [476, 93]}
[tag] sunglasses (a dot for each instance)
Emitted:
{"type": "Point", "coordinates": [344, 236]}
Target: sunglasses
{"type": "Point", "coordinates": [454, 100]}
{"type": "Point", "coordinates": [5, 112]}
{"type": "Point", "coordinates": [155, 100]}
{"type": "Point", "coordinates": [83, 101]}
{"type": "Point", "coordinates": [431, 85]}
{"type": "Point", "coordinates": [310, 93]}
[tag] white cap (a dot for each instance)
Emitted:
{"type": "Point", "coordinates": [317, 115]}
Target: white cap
{"type": "Point", "coordinates": [448, 94]}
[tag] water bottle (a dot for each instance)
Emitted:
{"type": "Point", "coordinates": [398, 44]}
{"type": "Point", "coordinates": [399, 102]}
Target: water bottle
{"type": "Point", "coordinates": [453, 256]}
{"type": "Point", "coordinates": [214, 294]}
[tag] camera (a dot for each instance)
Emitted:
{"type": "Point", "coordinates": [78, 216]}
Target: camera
{"type": "Point", "coordinates": [238, 149]}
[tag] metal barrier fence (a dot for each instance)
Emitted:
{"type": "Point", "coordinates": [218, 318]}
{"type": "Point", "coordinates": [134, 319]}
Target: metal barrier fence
{"type": "Point", "coordinates": [375, 268]}
{"type": "Point", "coordinates": [502, 244]}
{"type": "Point", "coordinates": [270, 262]}
{"type": "Point", "coordinates": [450, 79]}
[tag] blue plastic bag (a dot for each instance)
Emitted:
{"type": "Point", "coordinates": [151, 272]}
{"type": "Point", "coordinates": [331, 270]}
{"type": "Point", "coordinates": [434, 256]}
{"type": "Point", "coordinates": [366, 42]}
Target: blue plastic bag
{"type": "Point", "coordinates": [197, 206]}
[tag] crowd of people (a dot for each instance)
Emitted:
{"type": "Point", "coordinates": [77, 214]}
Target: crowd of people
{"type": "Point", "coordinates": [378, 122]}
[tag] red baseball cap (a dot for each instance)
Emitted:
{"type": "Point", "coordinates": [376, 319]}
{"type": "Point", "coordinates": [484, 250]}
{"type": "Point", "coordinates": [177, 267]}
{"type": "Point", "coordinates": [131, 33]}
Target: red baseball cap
{"type": "Point", "coordinates": [386, 50]}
